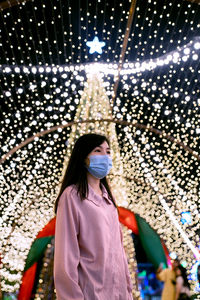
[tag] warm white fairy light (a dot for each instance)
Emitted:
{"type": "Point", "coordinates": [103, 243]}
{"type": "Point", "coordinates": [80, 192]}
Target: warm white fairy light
{"type": "Point", "coordinates": [129, 68]}
{"type": "Point", "coordinates": [42, 81]}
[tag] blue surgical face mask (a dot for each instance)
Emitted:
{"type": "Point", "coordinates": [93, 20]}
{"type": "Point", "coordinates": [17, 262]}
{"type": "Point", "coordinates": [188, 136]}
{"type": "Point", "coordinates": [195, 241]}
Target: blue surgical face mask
{"type": "Point", "coordinates": [100, 165]}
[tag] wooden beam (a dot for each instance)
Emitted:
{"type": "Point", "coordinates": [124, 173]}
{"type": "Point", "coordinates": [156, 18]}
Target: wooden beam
{"type": "Point", "coordinates": [194, 1]}
{"type": "Point", "coordinates": [10, 3]}
{"type": "Point", "coordinates": [160, 133]}
{"type": "Point", "coordinates": [124, 46]}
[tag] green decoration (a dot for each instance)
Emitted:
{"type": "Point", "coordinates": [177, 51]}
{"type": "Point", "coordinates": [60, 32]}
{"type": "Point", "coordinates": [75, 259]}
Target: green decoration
{"type": "Point", "coordinates": [37, 250]}
{"type": "Point", "coordinates": [151, 243]}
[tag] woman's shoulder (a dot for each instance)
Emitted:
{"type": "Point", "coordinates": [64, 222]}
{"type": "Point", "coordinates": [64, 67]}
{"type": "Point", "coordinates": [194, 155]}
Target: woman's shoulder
{"type": "Point", "coordinates": [70, 189]}
{"type": "Point", "coordinates": [69, 202]}
{"type": "Point", "coordinates": [70, 193]}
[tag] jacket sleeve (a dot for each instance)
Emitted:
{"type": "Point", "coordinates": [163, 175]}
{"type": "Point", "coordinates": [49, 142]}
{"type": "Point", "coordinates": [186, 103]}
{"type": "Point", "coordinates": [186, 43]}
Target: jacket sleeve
{"type": "Point", "coordinates": [128, 277]}
{"type": "Point", "coordinates": [67, 254]}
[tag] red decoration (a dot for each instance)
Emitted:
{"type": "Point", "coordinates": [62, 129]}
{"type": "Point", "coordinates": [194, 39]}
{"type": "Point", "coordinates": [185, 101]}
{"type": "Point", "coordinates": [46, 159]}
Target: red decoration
{"type": "Point", "coordinates": [27, 283]}
{"type": "Point", "coordinates": [127, 218]}
{"type": "Point", "coordinates": [169, 263]}
{"type": "Point", "coordinates": [29, 275]}
{"type": "Point", "coordinates": [48, 230]}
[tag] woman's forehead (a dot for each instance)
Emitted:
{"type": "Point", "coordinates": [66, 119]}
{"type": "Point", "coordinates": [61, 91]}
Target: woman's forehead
{"type": "Point", "coordinates": [103, 145]}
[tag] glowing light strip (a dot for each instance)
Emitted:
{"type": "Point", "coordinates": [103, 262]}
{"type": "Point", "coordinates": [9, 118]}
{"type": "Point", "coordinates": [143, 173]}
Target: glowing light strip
{"type": "Point", "coordinates": [154, 186]}
{"type": "Point", "coordinates": [173, 219]}
{"type": "Point", "coordinates": [112, 69]}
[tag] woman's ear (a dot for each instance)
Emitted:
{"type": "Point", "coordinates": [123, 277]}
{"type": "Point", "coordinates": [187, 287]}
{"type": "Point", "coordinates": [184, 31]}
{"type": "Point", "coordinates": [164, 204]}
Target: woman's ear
{"type": "Point", "coordinates": [87, 161]}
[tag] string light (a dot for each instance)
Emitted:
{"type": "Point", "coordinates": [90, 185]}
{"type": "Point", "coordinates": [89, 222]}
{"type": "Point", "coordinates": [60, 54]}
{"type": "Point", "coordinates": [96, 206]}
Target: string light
{"type": "Point", "coordinates": [44, 69]}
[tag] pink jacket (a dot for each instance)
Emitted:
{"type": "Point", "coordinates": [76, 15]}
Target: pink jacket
{"type": "Point", "coordinates": [90, 262]}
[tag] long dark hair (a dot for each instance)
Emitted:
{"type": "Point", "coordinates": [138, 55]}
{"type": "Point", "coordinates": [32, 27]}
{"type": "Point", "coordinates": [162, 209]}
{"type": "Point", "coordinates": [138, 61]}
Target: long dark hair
{"type": "Point", "coordinates": [184, 276]}
{"type": "Point", "coordinates": [76, 172]}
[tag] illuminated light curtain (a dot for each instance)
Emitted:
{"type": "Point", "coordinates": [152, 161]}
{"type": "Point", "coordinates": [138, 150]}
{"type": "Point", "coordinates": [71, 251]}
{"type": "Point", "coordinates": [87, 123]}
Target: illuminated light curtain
{"type": "Point", "coordinates": [42, 73]}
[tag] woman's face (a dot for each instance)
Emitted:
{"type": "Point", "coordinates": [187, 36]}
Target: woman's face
{"type": "Point", "coordinates": [102, 149]}
{"type": "Point", "coordinates": [178, 272]}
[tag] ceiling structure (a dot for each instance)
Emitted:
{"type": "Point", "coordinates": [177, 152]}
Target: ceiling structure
{"type": "Point", "coordinates": [44, 67]}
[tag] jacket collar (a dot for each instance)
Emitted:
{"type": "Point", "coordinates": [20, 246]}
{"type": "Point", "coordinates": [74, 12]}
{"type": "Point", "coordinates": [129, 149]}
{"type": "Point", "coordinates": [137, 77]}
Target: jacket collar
{"type": "Point", "coordinates": [96, 199]}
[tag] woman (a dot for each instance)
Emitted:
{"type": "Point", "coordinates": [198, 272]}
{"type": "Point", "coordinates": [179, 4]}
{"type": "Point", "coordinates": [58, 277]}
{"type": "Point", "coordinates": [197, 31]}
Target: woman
{"type": "Point", "coordinates": [182, 284]}
{"type": "Point", "coordinates": [90, 262]}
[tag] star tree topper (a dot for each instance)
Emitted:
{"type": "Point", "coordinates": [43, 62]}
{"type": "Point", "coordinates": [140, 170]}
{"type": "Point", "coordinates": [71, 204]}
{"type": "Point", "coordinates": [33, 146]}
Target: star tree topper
{"type": "Point", "coordinates": [95, 45]}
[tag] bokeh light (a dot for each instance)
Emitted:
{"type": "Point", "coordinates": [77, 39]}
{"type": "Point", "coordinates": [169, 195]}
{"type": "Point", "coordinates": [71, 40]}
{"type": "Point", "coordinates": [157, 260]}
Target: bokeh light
{"type": "Point", "coordinates": [46, 71]}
